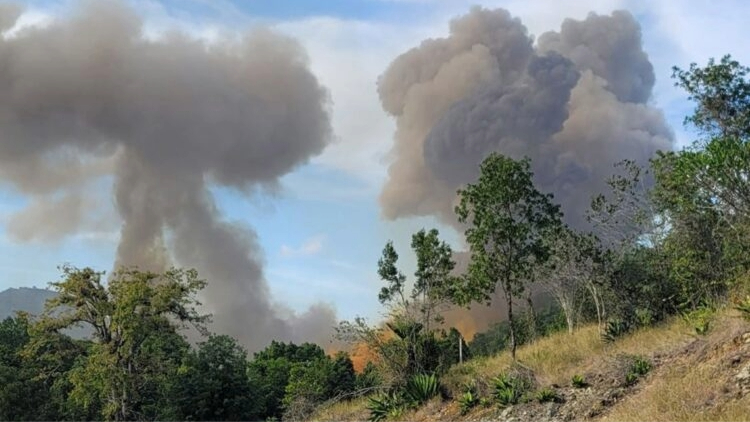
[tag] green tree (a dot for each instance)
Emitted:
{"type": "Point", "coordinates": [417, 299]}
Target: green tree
{"type": "Point", "coordinates": [269, 373]}
{"type": "Point", "coordinates": [314, 382]}
{"type": "Point", "coordinates": [213, 385]}
{"type": "Point", "coordinates": [129, 316]}
{"type": "Point", "coordinates": [507, 217]}
{"type": "Point", "coordinates": [413, 316]}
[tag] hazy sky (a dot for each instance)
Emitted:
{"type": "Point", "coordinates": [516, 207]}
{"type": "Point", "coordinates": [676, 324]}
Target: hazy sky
{"type": "Point", "coordinates": [322, 232]}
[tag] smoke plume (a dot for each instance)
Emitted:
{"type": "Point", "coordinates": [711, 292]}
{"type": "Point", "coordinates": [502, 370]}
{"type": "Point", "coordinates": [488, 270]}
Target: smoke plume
{"type": "Point", "coordinates": [90, 96]}
{"type": "Point", "coordinates": [575, 103]}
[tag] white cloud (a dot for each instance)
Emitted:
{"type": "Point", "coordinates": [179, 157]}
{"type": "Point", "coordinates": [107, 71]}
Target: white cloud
{"type": "Point", "coordinates": [348, 56]}
{"type": "Point", "coordinates": [311, 246]}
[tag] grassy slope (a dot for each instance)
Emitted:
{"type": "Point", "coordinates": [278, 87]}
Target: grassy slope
{"type": "Point", "coordinates": [693, 377]}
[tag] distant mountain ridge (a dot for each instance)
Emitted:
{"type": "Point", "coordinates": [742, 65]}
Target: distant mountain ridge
{"type": "Point", "coordinates": [27, 299]}
{"type": "Point", "coordinates": [32, 300]}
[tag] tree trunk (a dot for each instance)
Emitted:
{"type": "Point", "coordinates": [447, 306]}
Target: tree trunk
{"type": "Point", "coordinates": [568, 316]}
{"type": "Point", "coordinates": [532, 316]}
{"type": "Point", "coordinates": [512, 328]}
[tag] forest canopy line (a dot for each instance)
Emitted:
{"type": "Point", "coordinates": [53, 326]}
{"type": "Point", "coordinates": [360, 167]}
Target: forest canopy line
{"type": "Point", "coordinates": [670, 238]}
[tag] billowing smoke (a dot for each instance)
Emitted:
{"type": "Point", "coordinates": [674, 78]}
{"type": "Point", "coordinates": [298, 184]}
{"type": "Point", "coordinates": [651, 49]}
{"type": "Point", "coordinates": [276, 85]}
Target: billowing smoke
{"type": "Point", "coordinates": [575, 103]}
{"type": "Point", "coordinates": [91, 96]}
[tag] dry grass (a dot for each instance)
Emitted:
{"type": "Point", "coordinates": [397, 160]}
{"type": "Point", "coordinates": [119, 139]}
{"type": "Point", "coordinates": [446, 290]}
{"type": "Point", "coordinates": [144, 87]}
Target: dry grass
{"type": "Point", "coordinates": [345, 410]}
{"type": "Point", "coordinates": [690, 385]}
{"type": "Point", "coordinates": [555, 359]}
{"type": "Point", "coordinates": [696, 386]}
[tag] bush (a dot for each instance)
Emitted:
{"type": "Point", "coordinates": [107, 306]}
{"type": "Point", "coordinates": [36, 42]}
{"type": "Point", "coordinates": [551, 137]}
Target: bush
{"type": "Point", "coordinates": [615, 328]}
{"type": "Point", "coordinates": [641, 366]}
{"type": "Point", "coordinates": [578, 381]}
{"type": "Point", "coordinates": [420, 388]}
{"type": "Point", "coordinates": [385, 406]}
{"type": "Point", "coordinates": [510, 389]}
{"type": "Point", "coordinates": [638, 368]}
{"type": "Point", "coordinates": [744, 307]}
{"type": "Point", "coordinates": [467, 400]}
{"type": "Point", "coordinates": [699, 319]}
{"type": "Point", "coordinates": [547, 394]}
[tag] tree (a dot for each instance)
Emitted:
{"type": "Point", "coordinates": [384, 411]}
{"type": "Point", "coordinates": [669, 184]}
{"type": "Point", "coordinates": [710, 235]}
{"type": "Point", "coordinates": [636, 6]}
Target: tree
{"type": "Point", "coordinates": [314, 382]}
{"type": "Point", "coordinates": [213, 384]}
{"type": "Point", "coordinates": [717, 166]}
{"type": "Point", "coordinates": [507, 217]}
{"type": "Point", "coordinates": [269, 373]}
{"type": "Point", "coordinates": [569, 269]}
{"type": "Point", "coordinates": [406, 345]}
{"type": "Point", "coordinates": [129, 317]}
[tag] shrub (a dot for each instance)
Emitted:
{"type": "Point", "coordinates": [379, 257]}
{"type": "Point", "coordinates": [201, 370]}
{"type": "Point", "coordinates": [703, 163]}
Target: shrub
{"type": "Point", "coordinates": [644, 317]}
{"type": "Point", "coordinates": [615, 328]}
{"type": "Point", "coordinates": [467, 400]}
{"type": "Point", "coordinates": [578, 381]}
{"type": "Point", "coordinates": [641, 366]}
{"type": "Point", "coordinates": [631, 378]}
{"type": "Point", "coordinates": [744, 307]}
{"type": "Point", "coordinates": [547, 394]}
{"type": "Point", "coordinates": [385, 406]}
{"type": "Point", "coordinates": [638, 368]}
{"type": "Point", "coordinates": [420, 388]}
{"type": "Point", "coordinates": [510, 389]}
{"type": "Point", "coordinates": [699, 319]}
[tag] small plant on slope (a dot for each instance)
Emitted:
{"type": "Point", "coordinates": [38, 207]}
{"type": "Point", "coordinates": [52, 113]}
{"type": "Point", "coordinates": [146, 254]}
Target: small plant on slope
{"type": "Point", "coordinates": [421, 388]}
{"type": "Point", "coordinates": [385, 406]}
{"type": "Point", "coordinates": [547, 394]}
{"type": "Point", "coordinates": [640, 367]}
{"type": "Point", "coordinates": [509, 389]}
{"type": "Point", "coordinates": [700, 319]}
{"type": "Point", "coordinates": [469, 398]}
{"type": "Point", "coordinates": [578, 381]}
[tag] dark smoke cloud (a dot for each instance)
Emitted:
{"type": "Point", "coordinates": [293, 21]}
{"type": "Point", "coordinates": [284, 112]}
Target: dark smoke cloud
{"type": "Point", "coordinates": [575, 103]}
{"type": "Point", "coordinates": [90, 96]}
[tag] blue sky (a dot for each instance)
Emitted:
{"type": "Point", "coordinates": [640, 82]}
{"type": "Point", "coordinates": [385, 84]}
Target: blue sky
{"type": "Point", "coordinates": [322, 233]}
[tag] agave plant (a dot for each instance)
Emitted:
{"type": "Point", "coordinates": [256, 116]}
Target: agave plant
{"type": "Point", "coordinates": [547, 394]}
{"type": "Point", "coordinates": [615, 328]}
{"type": "Point", "coordinates": [421, 387]}
{"type": "Point", "coordinates": [509, 389]}
{"type": "Point", "coordinates": [468, 399]}
{"type": "Point", "coordinates": [383, 406]}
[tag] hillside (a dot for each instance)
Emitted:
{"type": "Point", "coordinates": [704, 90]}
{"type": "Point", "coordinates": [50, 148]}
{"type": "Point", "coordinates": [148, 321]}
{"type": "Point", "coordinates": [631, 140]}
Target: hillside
{"type": "Point", "coordinates": [27, 299]}
{"type": "Point", "coordinates": [692, 377]}
{"type": "Point", "coordinates": [32, 300]}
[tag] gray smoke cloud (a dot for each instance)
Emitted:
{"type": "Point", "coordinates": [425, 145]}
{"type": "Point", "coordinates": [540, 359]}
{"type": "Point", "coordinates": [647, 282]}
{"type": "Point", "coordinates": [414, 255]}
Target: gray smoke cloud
{"type": "Point", "coordinates": [89, 96]}
{"type": "Point", "coordinates": [575, 103]}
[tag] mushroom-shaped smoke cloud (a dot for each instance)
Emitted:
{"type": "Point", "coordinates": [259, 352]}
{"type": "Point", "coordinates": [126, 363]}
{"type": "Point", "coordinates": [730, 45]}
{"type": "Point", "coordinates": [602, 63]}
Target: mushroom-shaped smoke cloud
{"type": "Point", "coordinates": [90, 96]}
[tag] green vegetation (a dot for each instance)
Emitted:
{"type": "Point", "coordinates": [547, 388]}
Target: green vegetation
{"type": "Point", "coordinates": [639, 367]}
{"type": "Point", "coordinates": [507, 219]}
{"type": "Point", "coordinates": [510, 388]}
{"type": "Point", "coordinates": [578, 381]}
{"type": "Point", "coordinates": [469, 398]}
{"type": "Point", "coordinates": [547, 394]}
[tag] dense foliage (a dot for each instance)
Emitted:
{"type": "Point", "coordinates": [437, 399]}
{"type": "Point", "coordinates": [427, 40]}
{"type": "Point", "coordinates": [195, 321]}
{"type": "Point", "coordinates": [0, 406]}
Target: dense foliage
{"type": "Point", "coordinates": [139, 366]}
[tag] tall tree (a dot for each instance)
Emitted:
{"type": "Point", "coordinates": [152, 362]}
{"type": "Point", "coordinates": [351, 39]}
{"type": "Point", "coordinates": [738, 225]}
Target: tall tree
{"type": "Point", "coordinates": [507, 217]}
{"type": "Point", "coordinates": [569, 270]}
{"type": "Point", "coordinates": [433, 284]}
{"type": "Point", "coordinates": [128, 317]}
